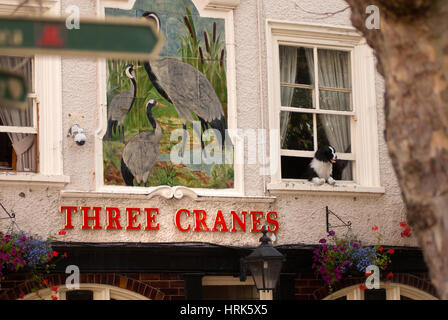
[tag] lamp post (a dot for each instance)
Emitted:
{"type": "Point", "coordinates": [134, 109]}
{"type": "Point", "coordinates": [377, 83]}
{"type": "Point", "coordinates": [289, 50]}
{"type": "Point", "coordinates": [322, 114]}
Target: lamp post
{"type": "Point", "coordinates": [265, 264]}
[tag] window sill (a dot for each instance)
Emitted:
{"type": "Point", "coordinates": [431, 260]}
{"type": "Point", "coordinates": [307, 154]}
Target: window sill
{"type": "Point", "coordinates": [33, 179]}
{"type": "Point", "coordinates": [340, 188]}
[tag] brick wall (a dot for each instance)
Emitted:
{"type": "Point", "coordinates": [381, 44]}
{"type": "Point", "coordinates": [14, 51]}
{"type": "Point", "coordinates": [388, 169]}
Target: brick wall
{"type": "Point", "coordinates": [155, 286]}
{"type": "Point", "coordinates": [309, 287]}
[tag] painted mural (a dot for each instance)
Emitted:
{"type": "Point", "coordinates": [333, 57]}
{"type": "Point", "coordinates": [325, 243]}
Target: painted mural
{"type": "Point", "coordinates": [167, 118]}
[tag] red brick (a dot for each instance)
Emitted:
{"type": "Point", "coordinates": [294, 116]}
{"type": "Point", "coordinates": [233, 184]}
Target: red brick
{"type": "Point", "coordinates": [149, 276]}
{"type": "Point", "coordinates": [169, 276]}
{"type": "Point", "coordinates": [301, 283]}
{"type": "Point", "coordinates": [170, 292]}
{"type": "Point", "coordinates": [160, 284]}
{"type": "Point", "coordinates": [177, 284]}
{"type": "Point", "coordinates": [304, 290]}
{"type": "Point", "coordinates": [159, 295]}
{"type": "Point", "coordinates": [153, 294]}
{"type": "Point", "coordinates": [177, 298]}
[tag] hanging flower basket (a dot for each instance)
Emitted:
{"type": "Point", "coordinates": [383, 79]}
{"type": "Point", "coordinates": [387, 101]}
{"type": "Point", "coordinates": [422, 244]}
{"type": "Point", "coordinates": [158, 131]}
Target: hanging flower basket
{"type": "Point", "coordinates": [21, 252]}
{"type": "Point", "coordinates": [338, 257]}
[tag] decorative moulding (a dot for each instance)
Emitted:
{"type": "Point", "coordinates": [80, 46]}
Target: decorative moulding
{"type": "Point", "coordinates": [28, 7]}
{"type": "Point", "coordinates": [222, 5]}
{"type": "Point", "coordinates": [168, 192]}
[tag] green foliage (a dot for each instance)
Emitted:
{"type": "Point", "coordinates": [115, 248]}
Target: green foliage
{"type": "Point", "coordinates": [206, 54]}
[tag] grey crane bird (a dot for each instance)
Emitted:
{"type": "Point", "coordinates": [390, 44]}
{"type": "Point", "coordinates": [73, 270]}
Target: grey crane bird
{"type": "Point", "coordinates": [141, 152]}
{"type": "Point", "coordinates": [121, 104]}
{"type": "Point", "coordinates": [188, 90]}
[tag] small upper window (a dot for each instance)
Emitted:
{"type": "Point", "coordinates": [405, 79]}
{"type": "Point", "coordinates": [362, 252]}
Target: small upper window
{"type": "Point", "coordinates": [18, 127]}
{"type": "Point", "coordinates": [316, 108]}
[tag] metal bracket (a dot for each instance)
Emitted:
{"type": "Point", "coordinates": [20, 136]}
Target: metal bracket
{"type": "Point", "coordinates": [347, 224]}
{"type": "Point", "coordinates": [11, 217]}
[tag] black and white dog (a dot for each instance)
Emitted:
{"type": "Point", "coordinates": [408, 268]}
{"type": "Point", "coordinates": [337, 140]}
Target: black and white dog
{"type": "Point", "coordinates": [320, 169]}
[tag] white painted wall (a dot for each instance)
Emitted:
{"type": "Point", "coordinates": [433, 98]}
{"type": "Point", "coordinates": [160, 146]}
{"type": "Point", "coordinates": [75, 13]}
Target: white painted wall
{"type": "Point", "coordinates": [301, 216]}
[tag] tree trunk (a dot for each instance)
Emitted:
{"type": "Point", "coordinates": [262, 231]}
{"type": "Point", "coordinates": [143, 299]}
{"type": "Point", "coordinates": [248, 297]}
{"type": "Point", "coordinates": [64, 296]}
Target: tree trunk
{"type": "Point", "coordinates": [411, 47]}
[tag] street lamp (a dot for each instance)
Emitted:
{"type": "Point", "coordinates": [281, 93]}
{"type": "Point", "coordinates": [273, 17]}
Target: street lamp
{"type": "Point", "coordinates": [265, 264]}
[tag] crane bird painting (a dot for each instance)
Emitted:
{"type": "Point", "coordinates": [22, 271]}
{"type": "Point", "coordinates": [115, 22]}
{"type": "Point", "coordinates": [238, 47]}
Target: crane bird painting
{"type": "Point", "coordinates": [121, 104]}
{"type": "Point", "coordinates": [141, 152]}
{"type": "Point", "coordinates": [188, 90]}
{"type": "Point", "coordinates": [185, 143]}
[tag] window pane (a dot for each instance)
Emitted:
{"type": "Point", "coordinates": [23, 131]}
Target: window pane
{"type": "Point", "coordinates": [335, 131]}
{"type": "Point", "coordinates": [13, 116]}
{"type": "Point", "coordinates": [294, 167]}
{"type": "Point", "coordinates": [297, 97]}
{"type": "Point", "coordinates": [296, 65]}
{"type": "Point", "coordinates": [296, 131]}
{"type": "Point", "coordinates": [343, 170]}
{"type": "Point", "coordinates": [334, 100]}
{"type": "Point", "coordinates": [334, 69]}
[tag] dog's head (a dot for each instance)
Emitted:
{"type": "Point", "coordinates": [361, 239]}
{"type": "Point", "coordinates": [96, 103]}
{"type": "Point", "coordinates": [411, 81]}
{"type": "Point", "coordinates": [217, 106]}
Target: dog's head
{"type": "Point", "coordinates": [326, 154]}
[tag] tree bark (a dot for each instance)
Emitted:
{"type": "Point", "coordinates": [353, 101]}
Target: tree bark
{"type": "Point", "coordinates": [411, 47]}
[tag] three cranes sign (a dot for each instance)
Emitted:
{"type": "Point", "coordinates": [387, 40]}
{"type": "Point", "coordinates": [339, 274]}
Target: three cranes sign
{"type": "Point", "coordinates": [112, 38]}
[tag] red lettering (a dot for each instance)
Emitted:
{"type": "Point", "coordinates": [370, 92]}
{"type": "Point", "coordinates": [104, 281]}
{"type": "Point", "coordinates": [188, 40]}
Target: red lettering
{"type": "Point", "coordinates": [132, 218]}
{"type": "Point", "coordinates": [68, 216]}
{"type": "Point", "coordinates": [273, 222]}
{"type": "Point", "coordinates": [237, 219]}
{"type": "Point", "coordinates": [200, 224]}
{"type": "Point", "coordinates": [113, 216]}
{"type": "Point", "coordinates": [86, 217]}
{"type": "Point", "coordinates": [150, 219]}
{"type": "Point", "coordinates": [219, 220]}
{"type": "Point", "coordinates": [178, 213]}
{"type": "Point", "coordinates": [256, 220]}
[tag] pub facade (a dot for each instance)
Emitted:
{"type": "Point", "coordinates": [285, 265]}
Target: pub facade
{"type": "Point", "coordinates": [155, 178]}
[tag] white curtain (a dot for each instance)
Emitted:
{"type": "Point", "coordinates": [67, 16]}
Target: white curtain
{"type": "Point", "coordinates": [334, 72]}
{"type": "Point", "coordinates": [23, 144]}
{"type": "Point", "coordinates": [288, 70]}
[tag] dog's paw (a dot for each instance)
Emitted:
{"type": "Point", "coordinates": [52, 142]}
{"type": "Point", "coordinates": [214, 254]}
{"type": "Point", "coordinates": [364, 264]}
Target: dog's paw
{"type": "Point", "coordinates": [331, 181]}
{"type": "Point", "coordinates": [318, 181]}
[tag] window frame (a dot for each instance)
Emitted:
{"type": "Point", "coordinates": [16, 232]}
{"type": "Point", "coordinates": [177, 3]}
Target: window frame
{"type": "Point", "coordinates": [364, 131]}
{"type": "Point", "coordinates": [220, 9]}
{"type": "Point", "coordinates": [393, 292]}
{"type": "Point", "coordinates": [47, 80]}
{"type": "Point", "coordinates": [317, 110]}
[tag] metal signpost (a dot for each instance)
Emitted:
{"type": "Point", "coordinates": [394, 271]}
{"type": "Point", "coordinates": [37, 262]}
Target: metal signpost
{"type": "Point", "coordinates": [117, 38]}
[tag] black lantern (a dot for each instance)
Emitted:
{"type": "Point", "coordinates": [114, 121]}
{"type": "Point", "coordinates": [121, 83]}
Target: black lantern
{"type": "Point", "coordinates": [265, 264]}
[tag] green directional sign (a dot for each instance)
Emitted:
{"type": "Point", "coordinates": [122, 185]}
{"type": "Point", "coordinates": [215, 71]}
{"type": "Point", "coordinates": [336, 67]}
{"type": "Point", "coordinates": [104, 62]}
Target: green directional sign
{"type": "Point", "coordinates": [118, 38]}
{"type": "Point", "coordinates": [13, 90]}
